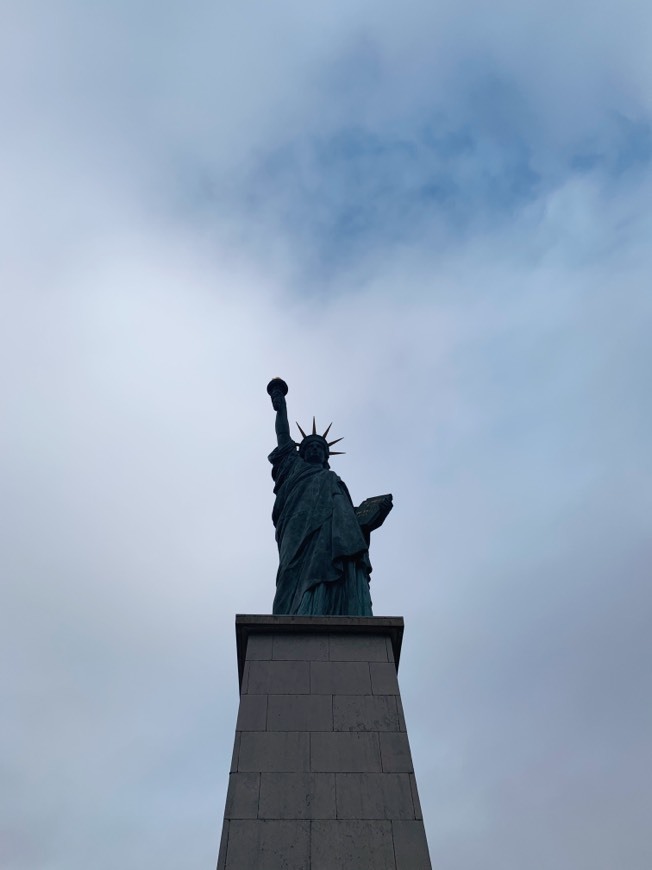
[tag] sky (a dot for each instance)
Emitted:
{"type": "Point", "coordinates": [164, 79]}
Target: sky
{"type": "Point", "coordinates": [433, 221]}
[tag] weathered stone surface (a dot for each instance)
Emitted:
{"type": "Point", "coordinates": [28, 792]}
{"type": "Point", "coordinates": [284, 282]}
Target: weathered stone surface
{"type": "Point", "coordinates": [322, 774]}
{"type": "Point", "coordinates": [351, 752]}
{"type": "Point", "coordinates": [395, 752]}
{"type": "Point", "coordinates": [352, 845]}
{"type": "Point", "coordinates": [365, 713]}
{"type": "Point", "coordinates": [221, 857]}
{"type": "Point", "coordinates": [277, 678]}
{"type": "Point", "coordinates": [268, 845]}
{"type": "Point", "coordinates": [340, 678]}
{"type": "Point", "coordinates": [415, 797]}
{"type": "Point", "coordinates": [242, 796]}
{"type": "Point", "coordinates": [259, 647]}
{"type": "Point", "coordinates": [374, 796]}
{"type": "Point", "coordinates": [410, 846]}
{"type": "Point", "coordinates": [274, 751]}
{"type": "Point", "coordinates": [305, 647]}
{"type": "Point", "coordinates": [236, 752]}
{"type": "Point", "coordinates": [249, 626]}
{"type": "Point", "coordinates": [383, 678]}
{"type": "Point", "coordinates": [297, 796]}
{"type": "Point", "coordinates": [358, 648]}
{"type": "Point", "coordinates": [252, 715]}
{"type": "Point", "coordinates": [300, 713]}
{"type": "Point", "coordinates": [401, 715]}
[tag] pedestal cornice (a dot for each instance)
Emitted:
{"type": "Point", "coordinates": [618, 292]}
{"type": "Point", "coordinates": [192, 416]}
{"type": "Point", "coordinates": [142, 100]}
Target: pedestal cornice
{"type": "Point", "coordinates": [247, 625]}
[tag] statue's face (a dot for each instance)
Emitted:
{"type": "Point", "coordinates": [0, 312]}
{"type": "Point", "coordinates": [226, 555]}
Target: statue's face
{"type": "Point", "coordinates": [315, 453]}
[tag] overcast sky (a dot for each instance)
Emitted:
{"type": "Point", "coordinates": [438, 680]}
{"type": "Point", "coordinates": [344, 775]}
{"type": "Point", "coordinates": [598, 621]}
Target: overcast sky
{"type": "Point", "coordinates": [434, 221]}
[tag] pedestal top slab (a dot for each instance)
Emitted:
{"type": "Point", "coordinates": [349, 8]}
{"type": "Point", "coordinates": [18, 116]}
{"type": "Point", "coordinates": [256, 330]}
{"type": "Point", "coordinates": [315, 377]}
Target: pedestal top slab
{"type": "Point", "coordinates": [247, 625]}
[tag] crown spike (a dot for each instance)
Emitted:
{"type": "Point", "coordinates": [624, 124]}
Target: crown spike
{"type": "Point", "coordinates": [301, 430]}
{"type": "Point", "coordinates": [334, 442]}
{"type": "Point", "coordinates": [314, 427]}
{"type": "Point", "coordinates": [325, 435]}
{"type": "Point", "coordinates": [336, 452]}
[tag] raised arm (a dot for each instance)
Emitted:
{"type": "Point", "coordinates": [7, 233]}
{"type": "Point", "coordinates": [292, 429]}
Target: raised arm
{"type": "Point", "coordinates": [277, 390]}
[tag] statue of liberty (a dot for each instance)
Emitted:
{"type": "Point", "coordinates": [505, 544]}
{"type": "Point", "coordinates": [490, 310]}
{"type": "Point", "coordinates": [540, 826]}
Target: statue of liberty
{"type": "Point", "coordinates": [323, 540]}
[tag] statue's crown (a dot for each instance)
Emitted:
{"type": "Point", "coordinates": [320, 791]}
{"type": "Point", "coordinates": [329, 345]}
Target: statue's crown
{"type": "Point", "coordinates": [314, 436]}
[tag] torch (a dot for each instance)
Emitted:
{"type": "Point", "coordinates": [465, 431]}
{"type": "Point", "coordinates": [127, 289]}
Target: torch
{"type": "Point", "coordinates": [277, 385]}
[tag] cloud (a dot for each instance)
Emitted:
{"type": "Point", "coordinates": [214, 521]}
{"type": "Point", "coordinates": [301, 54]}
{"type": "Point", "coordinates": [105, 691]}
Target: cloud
{"type": "Point", "coordinates": [435, 225]}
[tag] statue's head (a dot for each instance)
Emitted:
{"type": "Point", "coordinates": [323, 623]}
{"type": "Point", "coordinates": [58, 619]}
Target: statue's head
{"type": "Point", "coordinates": [314, 448]}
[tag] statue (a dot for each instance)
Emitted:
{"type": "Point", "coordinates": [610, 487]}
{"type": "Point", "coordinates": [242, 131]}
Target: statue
{"type": "Point", "coordinates": [323, 540]}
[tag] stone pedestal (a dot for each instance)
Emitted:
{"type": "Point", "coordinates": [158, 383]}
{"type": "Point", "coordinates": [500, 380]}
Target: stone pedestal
{"type": "Point", "coordinates": [322, 775]}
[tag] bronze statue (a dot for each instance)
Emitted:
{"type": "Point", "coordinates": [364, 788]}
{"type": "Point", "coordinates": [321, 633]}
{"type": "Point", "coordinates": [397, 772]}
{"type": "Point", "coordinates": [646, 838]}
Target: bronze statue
{"type": "Point", "coordinates": [323, 540]}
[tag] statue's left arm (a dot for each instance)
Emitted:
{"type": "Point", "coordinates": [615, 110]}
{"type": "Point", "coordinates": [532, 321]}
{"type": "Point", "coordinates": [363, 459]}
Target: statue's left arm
{"type": "Point", "coordinates": [373, 512]}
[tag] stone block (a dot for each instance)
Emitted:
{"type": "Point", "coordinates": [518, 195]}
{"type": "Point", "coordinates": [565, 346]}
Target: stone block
{"type": "Point", "coordinates": [323, 776]}
{"type": "Point", "coordinates": [236, 752]}
{"type": "Point", "coordinates": [395, 752]}
{"type": "Point", "coordinates": [221, 856]}
{"type": "Point", "coordinates": [252, 713]}
{"type": "Point", "coordinates": [242, 796]}
{"type": "Point", "coordinates": [401, 715]}
{"type": "Point", "coordinates": [302, 647]}
{"type": "Point", "coordinates": [268, 845]}
{"type": "Point", "coordinates": [277, 678]}
{"type": "Point", "coordinates": [300, 713]}
{"type": "Point", "coordinates": [351, 845]}
{"type": "Point", "coordinates": [410, 846]}
{"type": "Point", "coordinates": [383, 678]}
{"type": "Point", "coordinates": [365, 713]}
{"type": "Point", "coordinates": [274, 751]}
{"type": "Point", "coordinates": [259, 647]}
{"type": "Point", "coordinates": [415, 797]}
{"type": "Point", "coordinates": [340, 678]}
{"type": "Point", "coordinates": [350, 752]}
{"type": "Point", "coordinates": [358, 648]}
{"type": "Point", "coordinates": [297, 796]}
{"type": "Point", "coordinates": [248, 626]}
{"type": "Point", "coordinates": [374, 796]}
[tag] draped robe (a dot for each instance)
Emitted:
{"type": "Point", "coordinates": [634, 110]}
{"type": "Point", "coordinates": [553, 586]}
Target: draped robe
{"type": "Point", "coordinates": [324, 562]}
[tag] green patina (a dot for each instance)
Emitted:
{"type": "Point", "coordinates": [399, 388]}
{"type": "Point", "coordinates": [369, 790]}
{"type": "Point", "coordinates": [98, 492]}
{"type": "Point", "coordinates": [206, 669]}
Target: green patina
{"type": "Point", "coordinates": [323, 539]}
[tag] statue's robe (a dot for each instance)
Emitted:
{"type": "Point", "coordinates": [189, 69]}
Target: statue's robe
{"type": "Point", "coordinates": [324, 562]}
